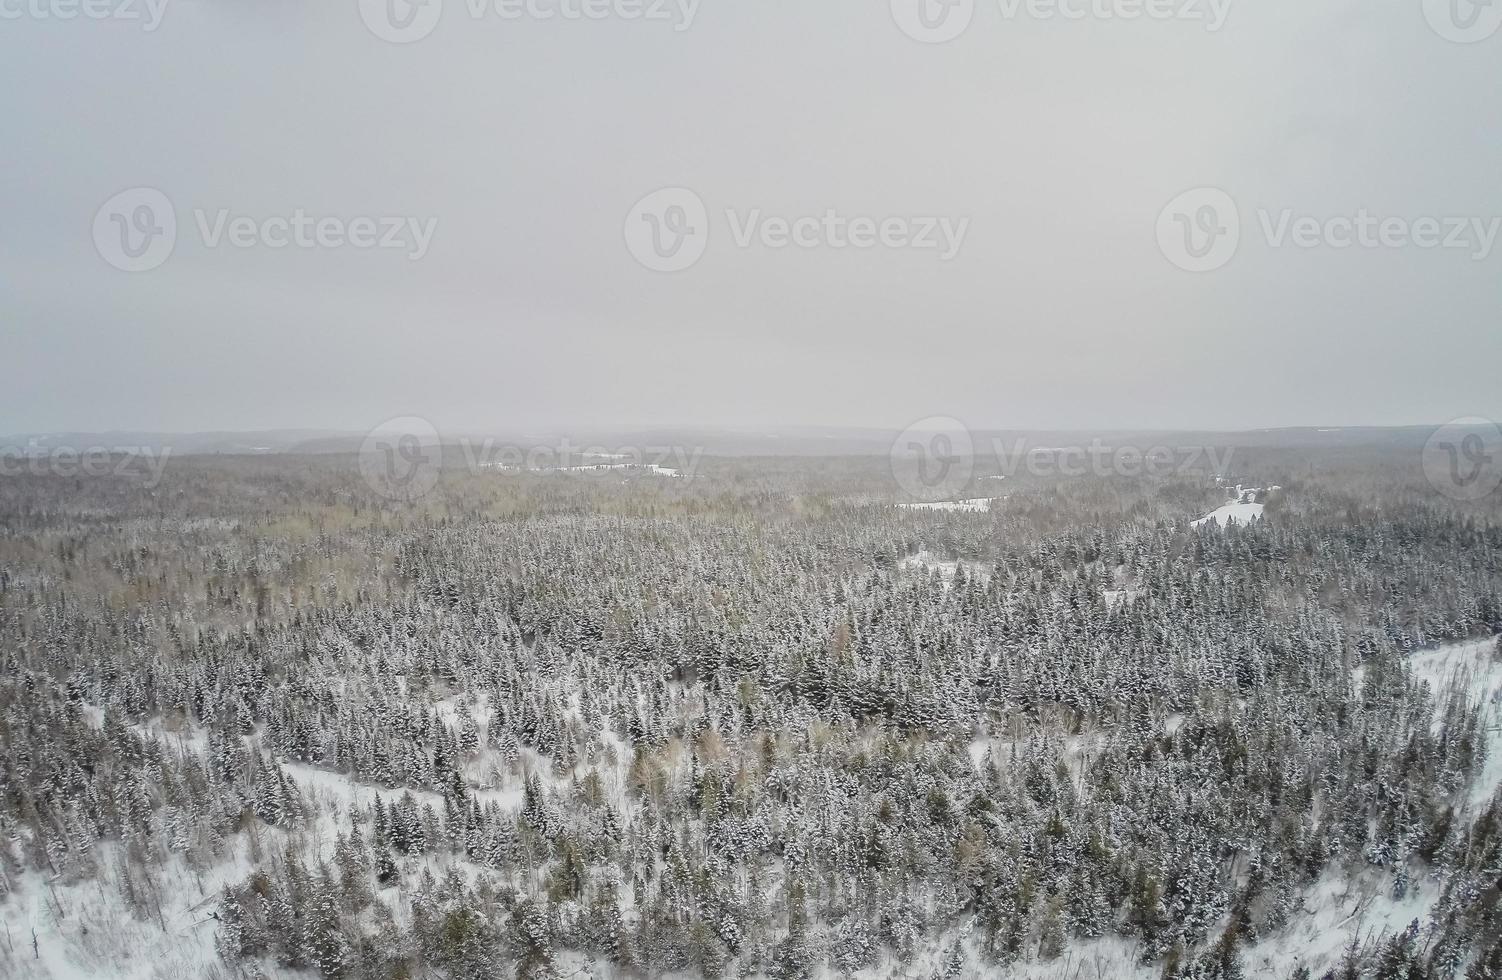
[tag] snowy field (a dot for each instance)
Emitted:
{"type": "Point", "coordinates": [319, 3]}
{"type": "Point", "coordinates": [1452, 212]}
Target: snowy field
{"type": "Point", "coordinates": [651, 468]}
{"type": "Point", "coordinates": [1243, 508]}
{"type": "Point", "coordinates": [974, 505]}
{"type": "Point", "coordinates": [1336, 910]}
{"type": "Point", "coordinates": [1232, 513]}
{"type": "Point", "coordinates": [593, 463]}
{"type": "Point", "coordinates": [86, 932]}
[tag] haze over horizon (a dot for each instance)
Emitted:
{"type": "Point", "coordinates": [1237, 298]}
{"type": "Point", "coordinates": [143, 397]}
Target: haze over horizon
{"type": "Point", "coordinates": [588, 429]}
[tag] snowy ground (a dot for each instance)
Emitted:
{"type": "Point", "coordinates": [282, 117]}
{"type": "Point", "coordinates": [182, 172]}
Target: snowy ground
{"type": "Point", "coordinates": [1095, 959]}
{"type": "Point", "coordinates": [1336, 910]}
{"type": "Point", "coordinates": [975, 505]}
{"type": "Point", "coordinates": [651, 468]}
{"type": "Point", "coordinates": [86, 932]}
{"type": "Point", "coordinates": [593, 463]}
{"type": "Point", "coordinates": [1231, 514]}
{"type": "Point", "coordinates": [927, 563]}
{"type": "Point", "coordinates": [1473, 669]}
{"type": "Point", "coordinates": [327, 787]}
{"type": "Point", "coordinates": [1243, 508]}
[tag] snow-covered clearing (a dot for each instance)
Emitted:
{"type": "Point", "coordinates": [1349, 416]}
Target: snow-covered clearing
{"type": "Point", "coordinates": [1473, 669]}
{"type": "Point", "coordinates": [593, 463]}
{"type": "Point", "coordinates": [651, 468]}
{"type": "Point", "coordinates": [1336, 910]}
{"type": "Point", "coordinates": [975, 505]}
{"type": "Point", "coordinates": [1107, 958]}
{"type": "Point", "coordinates": [927, 563]}
{"type": "Point", "coordinates": [86, 931]}
{"type": "Point", "coordinates": [1231, 514]}
{"type": "Point", "coordinates": [1243, 508]}
{"type": "Point", "coordinates": [324, 786]}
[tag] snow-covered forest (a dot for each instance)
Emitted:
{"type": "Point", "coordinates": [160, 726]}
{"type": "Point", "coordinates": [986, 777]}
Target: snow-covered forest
{"type": "Point", "coordinates": [761, 722]}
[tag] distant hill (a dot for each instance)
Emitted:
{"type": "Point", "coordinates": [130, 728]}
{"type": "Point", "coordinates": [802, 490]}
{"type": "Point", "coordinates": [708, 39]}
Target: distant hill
{"type": "Point", "coordinates": [771, 441]}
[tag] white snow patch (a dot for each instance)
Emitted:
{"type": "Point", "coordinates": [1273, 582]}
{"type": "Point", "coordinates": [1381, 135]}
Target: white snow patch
{"type": "Point", "coordinates": [1243, 508]}
{"type": "Point", "coordinates": [1107, 958]}
{"type": "Point", "coordinates": [651, 468]}
{"type": "Point", "coordinates": [1337, 909]}
{"type": "Point", "coordinates": [1231, 514]}
{"type": "Point", "coordinates": [927, 563]}
{"type": "Point", "coordinates": [975, 505]}
{"type": "Point", "coordinates": [326, 786]}
{"type": "Point", "coordinates": [85, 930]}
{"type": "Point", "coordinates": [1473, 669]}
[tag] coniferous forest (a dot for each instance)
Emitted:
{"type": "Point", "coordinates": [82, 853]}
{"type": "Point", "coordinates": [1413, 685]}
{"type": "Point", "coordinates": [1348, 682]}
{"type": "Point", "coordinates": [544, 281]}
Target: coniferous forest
{"type": "Point", "coordinates": [259, 721]}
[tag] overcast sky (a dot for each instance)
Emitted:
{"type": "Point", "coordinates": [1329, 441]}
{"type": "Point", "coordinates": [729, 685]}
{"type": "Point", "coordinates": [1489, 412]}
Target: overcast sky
{"type": "Point", "coordinates": [522, 146]}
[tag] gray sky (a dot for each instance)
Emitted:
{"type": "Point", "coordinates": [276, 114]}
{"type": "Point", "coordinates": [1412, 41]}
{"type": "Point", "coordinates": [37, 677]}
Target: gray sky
{"type": "Point", "coordinates": [529, 141]}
